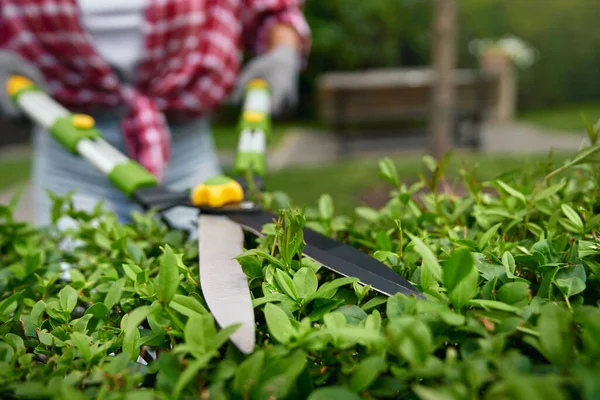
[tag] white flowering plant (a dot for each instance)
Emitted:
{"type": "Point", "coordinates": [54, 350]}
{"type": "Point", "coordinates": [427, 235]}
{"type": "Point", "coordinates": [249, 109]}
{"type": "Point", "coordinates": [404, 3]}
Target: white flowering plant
{"type": "Point", "coordinates": [518, 51]}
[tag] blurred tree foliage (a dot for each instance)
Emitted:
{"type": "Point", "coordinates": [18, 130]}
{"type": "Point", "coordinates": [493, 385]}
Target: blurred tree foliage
{"type": "Point", "coordinates": [566, 34]}
{"type": "Point", "coordinates": [355, 34]}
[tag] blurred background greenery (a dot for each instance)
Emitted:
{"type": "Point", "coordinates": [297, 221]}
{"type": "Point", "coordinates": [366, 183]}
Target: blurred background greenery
{"type": "Point", "coordinates": [359, 34]}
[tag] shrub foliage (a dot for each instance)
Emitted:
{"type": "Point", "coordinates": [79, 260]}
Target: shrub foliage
{"type": "Point", "coordinates": [510, 269]}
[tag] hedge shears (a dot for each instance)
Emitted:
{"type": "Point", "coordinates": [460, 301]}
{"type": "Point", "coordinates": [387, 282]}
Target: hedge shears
{"type": "Point", "coordinates": [224, 204]}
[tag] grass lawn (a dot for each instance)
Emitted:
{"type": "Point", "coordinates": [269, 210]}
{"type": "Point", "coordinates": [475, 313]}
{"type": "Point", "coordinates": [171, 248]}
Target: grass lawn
{"type": "Point", "coordinates": [346, 181]}
{"type": "Point", "coordinates": [226, 136]}
{"type": "Point", "coordinates": [564, 118]}
{"type": "Point", "coordinates": [14, 170]}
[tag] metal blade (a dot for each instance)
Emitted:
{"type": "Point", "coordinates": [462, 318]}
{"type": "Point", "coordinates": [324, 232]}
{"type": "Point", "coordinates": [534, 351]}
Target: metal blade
{"type": "Point", "coordinates": [339, 257]}
{"type": "Point", "coordinates": [224, 284]}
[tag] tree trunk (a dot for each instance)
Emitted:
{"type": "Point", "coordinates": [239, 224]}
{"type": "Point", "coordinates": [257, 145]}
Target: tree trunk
{"type": "Point", "coordinates": [444, 60]}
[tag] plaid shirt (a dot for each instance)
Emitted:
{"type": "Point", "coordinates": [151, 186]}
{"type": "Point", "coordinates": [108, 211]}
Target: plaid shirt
{"type": "Point", "coordinates": [191, 61]}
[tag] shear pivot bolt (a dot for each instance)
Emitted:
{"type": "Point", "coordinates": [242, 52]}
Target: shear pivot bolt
{"type": "Point", "coordinates": [217, 192]}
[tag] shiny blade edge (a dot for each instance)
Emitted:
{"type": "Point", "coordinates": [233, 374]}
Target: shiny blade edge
{"type": "Point", "coordinates": [339, 257]}
{"type": "Point", "coordinates": [224, 284]}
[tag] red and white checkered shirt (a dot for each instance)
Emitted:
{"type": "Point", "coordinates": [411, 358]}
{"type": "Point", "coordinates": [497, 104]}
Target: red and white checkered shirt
{"type": "Point", "coordinates": [191, 59]}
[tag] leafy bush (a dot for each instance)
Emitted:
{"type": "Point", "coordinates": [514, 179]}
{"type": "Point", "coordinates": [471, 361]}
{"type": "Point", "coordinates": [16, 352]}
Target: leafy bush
{"type": "Point", "coordinates": [510, 270]}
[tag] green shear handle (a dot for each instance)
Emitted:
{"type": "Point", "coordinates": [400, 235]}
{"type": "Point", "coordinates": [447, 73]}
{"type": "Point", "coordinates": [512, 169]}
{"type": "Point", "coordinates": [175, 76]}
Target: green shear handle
{"type": "Point", "coordinates": [78, 134]}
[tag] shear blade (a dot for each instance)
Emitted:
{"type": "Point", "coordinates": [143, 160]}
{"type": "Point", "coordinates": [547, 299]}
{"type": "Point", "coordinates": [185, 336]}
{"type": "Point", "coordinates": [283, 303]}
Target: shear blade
{"type": "Point", "coordinates": [340, 257]}
{"type": "Point", "coordinates": [223, 282]}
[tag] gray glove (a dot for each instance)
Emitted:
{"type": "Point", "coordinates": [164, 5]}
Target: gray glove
{"type": "Point", "coordinates": [11, 63]}
{"type": "Point", "coordinates": [280, 67]}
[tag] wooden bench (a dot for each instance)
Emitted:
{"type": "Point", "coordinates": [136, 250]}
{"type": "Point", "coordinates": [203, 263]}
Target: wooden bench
{"type": "Point", "coordinates": [394, 95]}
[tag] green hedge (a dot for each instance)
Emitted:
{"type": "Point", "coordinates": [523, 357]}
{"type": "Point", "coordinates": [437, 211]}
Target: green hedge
{"type": "Point", "coordinates": [510, 269]}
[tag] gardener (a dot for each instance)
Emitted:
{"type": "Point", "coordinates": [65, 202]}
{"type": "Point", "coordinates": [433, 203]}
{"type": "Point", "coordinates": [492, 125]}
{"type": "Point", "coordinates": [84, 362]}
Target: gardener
{"type": "Point", "coordinates": [150, 72]}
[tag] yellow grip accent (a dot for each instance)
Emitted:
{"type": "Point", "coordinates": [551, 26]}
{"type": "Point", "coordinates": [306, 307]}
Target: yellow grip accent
{"type": "Point", "coordinates": [83, 121]}
{"type": "Point", "coordinates": [252, 116]}
{"type": "Point", "coordinates": [257, 83]}
{"type": "Point", "coordinates": [217, 195]}
{"type": "Point", "coordinates": [16, 83]}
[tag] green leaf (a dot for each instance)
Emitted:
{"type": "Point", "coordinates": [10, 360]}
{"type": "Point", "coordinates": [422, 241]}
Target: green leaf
{"type": "Point", "coordinates": [248, 374]}
{"type": "Point", "coordinates": [556, 336]}
{"type": "Point", "coordinates": [82, 343]}
{"type": "Point", "coordinates": [367, 214]}
{"type": "Point", "coordinates": [333, 392]}
{"type": "Point", "coordinates": [512, 191]}
{"type": "Point", "coordinates": [114, 293]}
{"type": "Point", "coordinates": [586, 248]}
{"type": "Point", "coordinates": [366, 373]}
{"type": "Point", "coordinates": [429, 393]}
{"type": "Point", "coordinates": [76, 275]}
{"type": "Point", "coordinates": [548, 274]}
{"type": "Point", "coordinates": [572, 216]}
{"type": "Point", "coordinates": [589, 318]}
{"type": "Point", "coordinates": [591, 130]}
{"type": "Point", "coordinates": [549, 191]}
{"type": "Point", "coordinates": [286, 284]}
{"type": "Point", "coordinates": [189, 373]}
{"type": "Point", "coordinates": [222, 336]}
{"type": "Point", "coordinates": [279, 323]}
{"type": "Point", "coordinates": [594, 266]}
{"type": "Point", "coordinates": [193, 333]}
{"type": "Point", "coordinates": [251, 267]}
{"type": "Point", "coordinates": [388, 171]}
{"type": "Point", "coordinates": [514, 293]}
{"type": "Point", "coordinates": [102, 241]}
{"type": "Point", "coordinates": [290, 238]}
{"type": "Point", "coordinates": [322, 307]}
{"type": "Point", "coordinates": [326, 207]}
{"type": "Point", "coordinates": [45, 338]}
{"type": "Point", "coordinates": [494, 305]}
{"type": "Point", "coordinates": [465, 290]}
{"type": "Point", "coordinates": [587, 154]}
{"type": "Point", "coordinates": [374, 302]}
{"type": "Point", "coordinates": [68, 298]}
{"type": "Point", "coordinates": [411, 338]}
{"type": "Point", "coordinates": [7, 303]}
{"type": "Point", "coordinates": [187, 305]}
{"type": "Point", "coordinates": [487, 236]}
{"type": "Point", "coordinates": [16, 342]}
{"type": "Point", "coordinates": [430, 268]}
{"type": "Point", "coordinates": [130, 323]}
{"type": "Point", "coordinates": [571, 280]}
{"type": "Point", "coordinates": [132, 271]}
{"type": "Point", "coordinates": [335, 320]}
{"type": "Point", "coordinates": [99, 311]}
{"type": "Point", "coordinates": [354, 314]}
{"type": "Point", "coordinates": [256, 252]}
{"type": "Point", "coordinates": [305, 281]}
{"type": "Point", "coordinates": [168, 276]}
{"type": "Point", "coordinates": [328, 289]}
{"type": "Point", "coordinates": [31, 390]}
{"type": "Point", "coordinates": [509, 263]}
{"type": "Point", "coordinates": [460, 277]}
{"type": "Point", "coordinates": [457, 267]}
{"type": "Point", "coordinates": [117, 364]}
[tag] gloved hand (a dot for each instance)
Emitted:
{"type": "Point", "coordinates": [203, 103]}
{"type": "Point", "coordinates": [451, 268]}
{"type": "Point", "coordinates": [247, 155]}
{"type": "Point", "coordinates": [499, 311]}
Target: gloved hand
{"type": "Point", "coordinates": [280, 67]}
{"type": "Point", "coordinates": [12, 63]}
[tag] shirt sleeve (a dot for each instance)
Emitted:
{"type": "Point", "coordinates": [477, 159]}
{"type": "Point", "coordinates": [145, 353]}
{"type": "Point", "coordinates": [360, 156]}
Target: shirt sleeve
{"type": "Point", "coordinates": [259, 16]}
